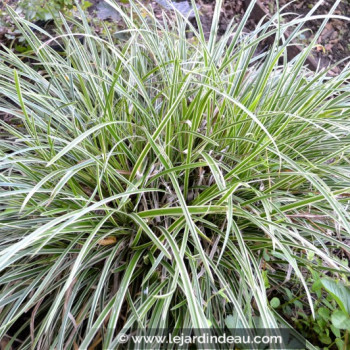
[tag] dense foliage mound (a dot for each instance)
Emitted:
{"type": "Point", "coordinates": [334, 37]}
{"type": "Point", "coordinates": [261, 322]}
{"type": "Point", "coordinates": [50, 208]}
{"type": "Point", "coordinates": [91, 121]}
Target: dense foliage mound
{"type": "Point", "coordinates": [165, 181]}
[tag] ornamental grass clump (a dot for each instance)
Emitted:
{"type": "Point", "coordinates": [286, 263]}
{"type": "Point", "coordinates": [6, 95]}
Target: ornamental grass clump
{"type": "Point", "coordinates": [152, 179]}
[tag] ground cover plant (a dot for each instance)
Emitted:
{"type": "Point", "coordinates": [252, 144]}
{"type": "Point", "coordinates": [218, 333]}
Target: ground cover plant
{"type": "Point", "coordinates": [162, 181]}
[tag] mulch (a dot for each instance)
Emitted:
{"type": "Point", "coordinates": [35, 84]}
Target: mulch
{"type": "Point", "coordinates": [332, 46]}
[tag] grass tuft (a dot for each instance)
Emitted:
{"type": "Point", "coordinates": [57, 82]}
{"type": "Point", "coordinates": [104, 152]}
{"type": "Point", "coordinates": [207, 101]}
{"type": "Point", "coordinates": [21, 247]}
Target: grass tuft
{"type": "Point", "coordinates": [163, 181]}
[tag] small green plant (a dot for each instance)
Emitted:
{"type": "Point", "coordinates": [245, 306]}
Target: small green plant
{"type": "Point", "coordinates": [340, 317]}
{"type": "Point", "coordinates": [329, 329]}
{"type": "Point", "coordinates": [43, 10]}
{"type": "Point", "coordinates": [36, 10]}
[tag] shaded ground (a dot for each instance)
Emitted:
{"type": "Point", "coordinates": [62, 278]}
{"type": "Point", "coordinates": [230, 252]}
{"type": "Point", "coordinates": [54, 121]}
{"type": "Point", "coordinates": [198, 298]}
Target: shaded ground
{"type": "Point", "coordinates": [334, 42]}
{"type": "Point", "coordinates": [332, 46]}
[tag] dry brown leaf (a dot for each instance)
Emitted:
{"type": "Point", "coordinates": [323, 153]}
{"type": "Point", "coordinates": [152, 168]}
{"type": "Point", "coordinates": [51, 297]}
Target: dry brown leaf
{"type": "Point", "coordinates": [329, 27]}
{"type": "Point", "coordinates": [107, 241]}
{"type": "Point", "coordinates": [319, 48]}
{"type": "Point", "coordinates": [334, 35]}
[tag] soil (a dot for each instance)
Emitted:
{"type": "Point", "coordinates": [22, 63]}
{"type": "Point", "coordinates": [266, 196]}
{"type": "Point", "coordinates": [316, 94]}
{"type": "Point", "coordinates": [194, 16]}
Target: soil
{"type": "Point", "coordinates": [333, 45]}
